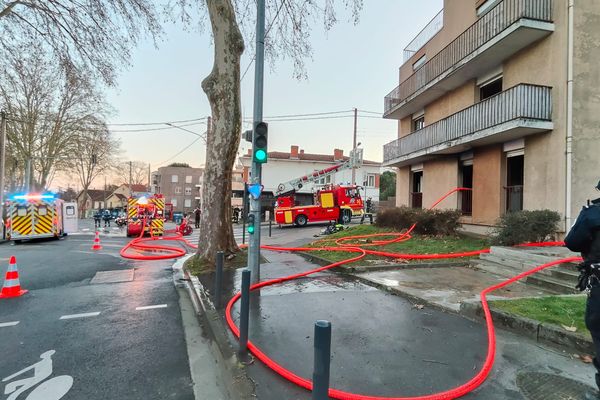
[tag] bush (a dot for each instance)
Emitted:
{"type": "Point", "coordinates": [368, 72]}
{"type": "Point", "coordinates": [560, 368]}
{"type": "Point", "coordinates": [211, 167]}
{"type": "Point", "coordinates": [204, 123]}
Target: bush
{"type": "Point", "coordinates": [526, 226]}
{"type": "Point", "coordinates": [429, 222]}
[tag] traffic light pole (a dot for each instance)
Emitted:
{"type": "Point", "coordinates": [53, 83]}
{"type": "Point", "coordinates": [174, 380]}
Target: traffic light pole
{"type": "Point", "coordinates": [255, 206]}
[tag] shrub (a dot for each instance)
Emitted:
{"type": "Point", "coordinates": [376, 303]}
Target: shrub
{"type": "Point", "coordinates": [429, 222]}
{"type": "Point", "coordinates": [526, 226]}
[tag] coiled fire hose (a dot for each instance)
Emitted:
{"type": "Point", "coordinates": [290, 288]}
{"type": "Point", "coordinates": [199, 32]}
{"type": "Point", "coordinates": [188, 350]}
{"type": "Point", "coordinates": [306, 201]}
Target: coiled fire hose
{"type": "Point", "coordinates": [144, 245]}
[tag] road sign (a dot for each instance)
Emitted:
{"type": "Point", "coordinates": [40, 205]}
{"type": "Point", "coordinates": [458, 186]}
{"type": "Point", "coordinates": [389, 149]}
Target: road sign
{"type": "Point", "coordinates": [255, 190]}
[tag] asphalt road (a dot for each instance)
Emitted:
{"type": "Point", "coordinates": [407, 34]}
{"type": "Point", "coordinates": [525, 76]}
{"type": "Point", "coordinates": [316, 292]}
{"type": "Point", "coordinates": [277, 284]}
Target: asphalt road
{"type": "Point", "coordinates": [122, 340]}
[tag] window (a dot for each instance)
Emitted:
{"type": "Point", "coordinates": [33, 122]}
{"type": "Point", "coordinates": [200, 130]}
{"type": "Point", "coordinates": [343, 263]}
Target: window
{"type": "Point", "coordinates": [70, 210]}
{"type": "Point", "coordinates": [420, 62]}
{"type": "Point", "coordinates": [174, 178]}
{"type": "Point", "coordinates": [21, 211]}
{"type": "Point", "coordinates": [418, 123]}
{"type": "Point", "coordinates": [174, 202]}
{"type": "Point", "coordinates": [490, 89]}
{"type": "Point", "coordinates": [188, 191]}
{"type": "Point", "coordinates": [416, 195]}
{"type": "Point", "coordinates": [369, 180]}
{"type": "Point", "coordinates": [42, 210]}
{"type": "Point", "coordinates": [187, 203]}
{"type": "Point", "coordinates": [177, 190]}
{"type": "Point", "coordinates": [188, 179]}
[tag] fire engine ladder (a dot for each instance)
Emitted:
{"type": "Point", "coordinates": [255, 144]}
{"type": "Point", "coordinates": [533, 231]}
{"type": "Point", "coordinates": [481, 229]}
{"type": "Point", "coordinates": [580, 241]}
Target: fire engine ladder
{"type": "Point", "coordinates": [354, 161]}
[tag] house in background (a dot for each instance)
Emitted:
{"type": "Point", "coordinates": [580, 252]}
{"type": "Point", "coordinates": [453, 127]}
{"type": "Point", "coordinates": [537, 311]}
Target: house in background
{"type": "Point", "coordinates": [179, 185]}
{"type": "Point", "coordinates": [487, 100]}
{"type": "Point", "coordinates": [283, 167]}
{"type": "Point", "coordinates": [94, 200]}
{"type": "Point", "coordinates": [131, 190]}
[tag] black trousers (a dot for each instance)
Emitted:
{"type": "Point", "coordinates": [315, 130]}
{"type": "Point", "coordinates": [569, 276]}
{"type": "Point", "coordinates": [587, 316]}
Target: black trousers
{"type": "Point", "coordinates": [592, 321]}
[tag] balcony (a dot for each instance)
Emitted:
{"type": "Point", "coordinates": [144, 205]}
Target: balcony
{"type": "Point", "coordinates": [509, 27]}
{"type": "Point", "coordinates": [517, 112]}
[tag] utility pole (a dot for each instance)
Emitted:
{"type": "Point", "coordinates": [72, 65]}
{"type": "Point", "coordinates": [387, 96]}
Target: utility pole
{"type": "Point", "coordinates": [27, 180]}
{"type": "Point", "coordinates": [354, 146]}
{"type": "Point", "coordinates": [255, 206]}
{"type": "Point", "coordinates": [130, 178]}
{"type": "Point", "coordinates": [105, 192]}
{"type": "Point", "coordinates": [149, 179]}
{"type": "Point", "coordinates": [2, 160]}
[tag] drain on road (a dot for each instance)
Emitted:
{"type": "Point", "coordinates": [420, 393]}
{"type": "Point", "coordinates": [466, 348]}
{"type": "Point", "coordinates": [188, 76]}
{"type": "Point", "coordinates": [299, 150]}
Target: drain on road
{"type": "Point", "coordinates": [125, 275]}
{"type": "Point", "coordinates": [539, 386]}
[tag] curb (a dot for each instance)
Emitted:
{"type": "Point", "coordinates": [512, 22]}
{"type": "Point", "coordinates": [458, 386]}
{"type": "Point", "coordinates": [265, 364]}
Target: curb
{"type": "Point", "coordinates": [238, 384]}
{"type": "Point", "coordinates": [541, 332]}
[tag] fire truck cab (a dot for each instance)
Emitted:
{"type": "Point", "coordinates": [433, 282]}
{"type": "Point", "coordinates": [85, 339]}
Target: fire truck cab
{"type": "Point", "coordinates": [36, 215]}
{"type": "Point", "coordinates": [333, 203]}
{"type": "Point", "coordinates": [148, 209]}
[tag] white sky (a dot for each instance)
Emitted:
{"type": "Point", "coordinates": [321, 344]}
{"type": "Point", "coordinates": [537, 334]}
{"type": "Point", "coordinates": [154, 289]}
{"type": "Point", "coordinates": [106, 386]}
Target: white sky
{"type": "Point", "coordinates": [352, 66]}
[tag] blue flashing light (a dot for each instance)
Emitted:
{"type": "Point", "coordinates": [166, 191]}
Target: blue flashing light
{"type": "Point", "coordinates": [33, 196]}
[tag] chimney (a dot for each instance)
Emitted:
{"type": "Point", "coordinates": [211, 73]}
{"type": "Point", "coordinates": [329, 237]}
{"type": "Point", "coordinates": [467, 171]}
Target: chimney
{"type": "Point", "coordinates": [302, 151]}
{"type": "Point", "coordinates": [338, 155]}
{"type": "Point", "coordinates": [294, 152]}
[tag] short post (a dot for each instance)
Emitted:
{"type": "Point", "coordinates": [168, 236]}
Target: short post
{"type": "Point", "coordinates": [270, 226]}
{"type": "Point", "coordinates": [244, 312]}
{"type": "Point", "coordinates": [218, 278]}
{"type": "Point", "coordinates": [322, 360]}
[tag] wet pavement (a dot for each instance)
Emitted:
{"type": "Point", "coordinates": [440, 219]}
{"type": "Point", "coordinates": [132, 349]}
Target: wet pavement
{"type": "Point", "coordinates": [382, 344]}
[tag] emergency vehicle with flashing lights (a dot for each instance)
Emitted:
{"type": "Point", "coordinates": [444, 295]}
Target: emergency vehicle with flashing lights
{"type": "Point", "coordinates": [332, 203]}
{"type": "Point", "coordinates": [36, 215]}
{"type": "Point", "coordinates": [146, 212]}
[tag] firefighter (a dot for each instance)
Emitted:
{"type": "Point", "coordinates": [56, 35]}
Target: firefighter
{"type": "Point", "coordinates": [106, 217]}
{"type": "Point", "coordinates": [236, 215]}
{"type": "Point", "coordinates": [368, 211]}
{"type": "Point", "coordinates": [584, 237]}
{"type": "Point", "coordinates": [97, 218]}
{"type": "Point", "coordinates": [197, 217]}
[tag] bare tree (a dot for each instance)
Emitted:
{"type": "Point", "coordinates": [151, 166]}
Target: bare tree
{"type": "Point", "coordinates": [95, 153]}
{"type": "Point", "coordinates": [46, 106]}
{"type": "Point", "coordinates": [86, 36]}
{"type": "Point", "coordinates": [139, 172]}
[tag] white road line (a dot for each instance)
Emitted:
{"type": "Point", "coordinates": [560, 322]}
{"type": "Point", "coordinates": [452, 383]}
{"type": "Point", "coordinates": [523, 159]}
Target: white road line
{"type": "Point", "coordinates": [84, 315]}
{"type": "Point", "coordinates": [5, 324]}
{"type": "Point", "coordinates": [151, 307]}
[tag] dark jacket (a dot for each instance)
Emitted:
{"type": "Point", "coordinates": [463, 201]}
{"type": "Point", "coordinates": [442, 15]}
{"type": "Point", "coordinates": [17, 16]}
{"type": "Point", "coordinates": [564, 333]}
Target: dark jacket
{"type": "Point", "coordinates": [584, 236]}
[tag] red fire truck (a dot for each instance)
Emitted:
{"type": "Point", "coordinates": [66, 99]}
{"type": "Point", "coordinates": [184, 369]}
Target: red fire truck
{"type": "Point", "coordinates": [330, 203]}
{"type": "Point", "coordinates": [146, 208]}
{"type": "Point", "coordinates": [333, 203]}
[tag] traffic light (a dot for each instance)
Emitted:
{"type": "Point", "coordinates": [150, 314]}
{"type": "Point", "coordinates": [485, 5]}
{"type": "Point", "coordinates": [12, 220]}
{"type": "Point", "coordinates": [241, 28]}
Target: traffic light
{"type": "Point", "coordinates": [261, 131]}
{"type": "Point", "coordinates": [250, 224]}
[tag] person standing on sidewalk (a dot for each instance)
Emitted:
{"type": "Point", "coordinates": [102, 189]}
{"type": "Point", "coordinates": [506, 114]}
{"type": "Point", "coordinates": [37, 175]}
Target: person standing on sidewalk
{"type": "Point", "coordinates": [584, 237]}
{"type": "Point", "coordinates": [197, 217]}
{"type": "Point", "coordinates": [368, 211]}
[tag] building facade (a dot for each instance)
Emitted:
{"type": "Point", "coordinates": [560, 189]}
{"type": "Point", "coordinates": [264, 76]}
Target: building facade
{"type": "Point", "coordinates": [179, 185]}
{"type": "Point", "coordinates": [499, 96]}
{"type": "Point", "coordinates": [283, 167]}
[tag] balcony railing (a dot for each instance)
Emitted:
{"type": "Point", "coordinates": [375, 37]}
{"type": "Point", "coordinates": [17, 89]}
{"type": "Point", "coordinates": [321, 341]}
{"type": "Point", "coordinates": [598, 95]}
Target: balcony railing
{"type": "Point", "coordinates": [521, 101]}
{"type": "Point", "coordinates": [416, 199]}
{"type": "Point", "coordinates": [503, 15]}
{"type": "Point", "coordinates": [433, 27]}
{"type": "Point", "coordinates": [514, 198]}
{"type": "Point", "coordinates": [465, 202]}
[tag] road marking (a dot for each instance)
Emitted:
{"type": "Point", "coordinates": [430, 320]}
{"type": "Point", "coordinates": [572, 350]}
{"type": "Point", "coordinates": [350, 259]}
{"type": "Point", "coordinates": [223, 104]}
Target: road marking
{"type": "Point", "coordinates": [151, 307]}
{"type": "Point", "coordinates": [5, 324]}
{"type": "Point", "coordinates": [84, 315]}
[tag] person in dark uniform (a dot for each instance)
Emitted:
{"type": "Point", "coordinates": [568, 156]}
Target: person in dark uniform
{"type": "Point", "coordinates": [584, 237]}
{"type": "Point", "coordinates": [97, 218]}
{"type": "Point", "coordinates": [368, 211]}
{"type": "Point", "coordinates": [197, 217]}
{"type": "Point", "coordinates": [236, 215]}
{"type": "Point", "coordinates": [106, 217]}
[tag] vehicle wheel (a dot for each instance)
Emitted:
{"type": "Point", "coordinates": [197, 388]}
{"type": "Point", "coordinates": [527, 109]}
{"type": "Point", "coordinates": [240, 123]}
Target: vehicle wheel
{"type": "Point", "coordinates": [301, 220]}
{"type": "Point", "coordinates": [346, 217]}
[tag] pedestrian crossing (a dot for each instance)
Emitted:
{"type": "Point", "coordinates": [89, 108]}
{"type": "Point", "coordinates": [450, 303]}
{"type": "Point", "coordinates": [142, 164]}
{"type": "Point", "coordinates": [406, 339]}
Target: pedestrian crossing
{"type": "Point", "coordinates": [237, 233]}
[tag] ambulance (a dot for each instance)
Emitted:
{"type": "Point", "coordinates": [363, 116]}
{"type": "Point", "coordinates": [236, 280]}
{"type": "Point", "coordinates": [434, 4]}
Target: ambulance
{"type": "Point", "coordinates": [38, 215]}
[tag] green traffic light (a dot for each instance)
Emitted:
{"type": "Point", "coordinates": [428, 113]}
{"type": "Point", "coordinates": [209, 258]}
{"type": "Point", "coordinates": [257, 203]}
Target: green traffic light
{"type": "Point", "coordinates": [251, 229]}
{"type": "Point", "coordinates": [260, 156]}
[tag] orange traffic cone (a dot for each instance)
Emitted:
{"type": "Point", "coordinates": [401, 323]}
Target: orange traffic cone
{"type": "Point", "coordinates": [96, 245]}
{"type": "Point", "coordinates": [12, 286]}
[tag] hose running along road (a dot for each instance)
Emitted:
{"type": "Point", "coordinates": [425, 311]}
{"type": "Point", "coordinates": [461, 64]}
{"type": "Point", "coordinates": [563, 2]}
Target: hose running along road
{"type": "Point", "coordinates": [143, 245]}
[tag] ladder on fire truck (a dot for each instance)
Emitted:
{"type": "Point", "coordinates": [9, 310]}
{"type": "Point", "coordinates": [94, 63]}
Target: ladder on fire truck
{"type": "Point", "coordinates": [354, 161]}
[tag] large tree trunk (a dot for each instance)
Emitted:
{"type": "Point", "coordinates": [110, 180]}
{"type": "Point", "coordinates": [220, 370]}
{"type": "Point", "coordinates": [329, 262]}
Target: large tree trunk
{"type": "Point", "coordinates": [222, 87]}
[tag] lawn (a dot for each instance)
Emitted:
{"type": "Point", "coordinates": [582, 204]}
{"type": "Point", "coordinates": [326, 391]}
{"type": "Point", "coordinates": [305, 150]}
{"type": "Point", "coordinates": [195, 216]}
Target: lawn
{"type": "Point", "coordinates": [417, 245]}
{"type": "Point", "coordinates": [562, 311]}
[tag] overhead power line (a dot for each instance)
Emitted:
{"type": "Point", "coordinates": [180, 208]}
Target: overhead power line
{"type": "Point", "coordinates": [155, 129]}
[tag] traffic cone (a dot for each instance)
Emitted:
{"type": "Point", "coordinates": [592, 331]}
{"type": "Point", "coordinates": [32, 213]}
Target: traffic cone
{"type": "Point", "coordinates": [96, 245]}
{"type": "Point", "coordinates": [12, 286]}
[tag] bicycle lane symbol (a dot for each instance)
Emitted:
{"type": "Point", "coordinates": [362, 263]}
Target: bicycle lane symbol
{"type": "Point", "coordinates": [51, 389]}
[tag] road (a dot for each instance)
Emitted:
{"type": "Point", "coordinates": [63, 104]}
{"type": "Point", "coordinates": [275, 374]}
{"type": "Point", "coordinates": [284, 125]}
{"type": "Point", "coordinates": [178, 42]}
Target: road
{"type": "Point", "coordinates": [115, 326]}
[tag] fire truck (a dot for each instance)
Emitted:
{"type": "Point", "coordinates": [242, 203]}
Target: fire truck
{"type": "Point", "coordinates": [148, 209]}
{"type": "Point", "coordinates": [37, 215]}
{"type": "Point", "coordinates": [330, 203]}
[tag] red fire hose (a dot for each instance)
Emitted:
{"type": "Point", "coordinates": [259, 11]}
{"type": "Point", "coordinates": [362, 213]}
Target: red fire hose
{"type": "Point", "coordinates": [142, 244]}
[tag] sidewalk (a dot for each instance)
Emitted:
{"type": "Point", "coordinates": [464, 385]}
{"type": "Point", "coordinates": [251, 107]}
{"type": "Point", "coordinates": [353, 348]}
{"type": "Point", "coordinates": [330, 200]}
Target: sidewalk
{"type": "Point", "coordinates": [383, 344]}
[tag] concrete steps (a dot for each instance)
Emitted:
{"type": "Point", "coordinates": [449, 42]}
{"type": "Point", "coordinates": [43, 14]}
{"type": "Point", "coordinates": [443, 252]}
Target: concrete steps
{"type": "Point", "coordinates": [510, 261]}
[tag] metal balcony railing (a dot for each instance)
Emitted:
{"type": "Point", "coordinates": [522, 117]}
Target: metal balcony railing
{"type": "Point", "coordinates": [521, 101]}
{"type": "Point", "coordinates": [491, 24]}
{"type": "Point", "coordinates": [514, 198]}
{"type": "Point", "coordinates": [465, 202]}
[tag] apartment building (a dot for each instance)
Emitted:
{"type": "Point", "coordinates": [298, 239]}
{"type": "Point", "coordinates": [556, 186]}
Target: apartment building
{"type": "Point", "coordinates": [179, 186]}
{"type": "Point", "coordinates": [500, 96]}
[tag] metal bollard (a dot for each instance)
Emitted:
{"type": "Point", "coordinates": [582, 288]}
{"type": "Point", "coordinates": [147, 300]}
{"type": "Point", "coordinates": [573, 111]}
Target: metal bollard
{"type": "Point", "coordinates": [244, 312]}
{"type": "Point", "coordinates": [322, 360]}
{"type": "Point", "coordinates": [270, 224]}
{"type": "Point", "coordinates": [220, 259]}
